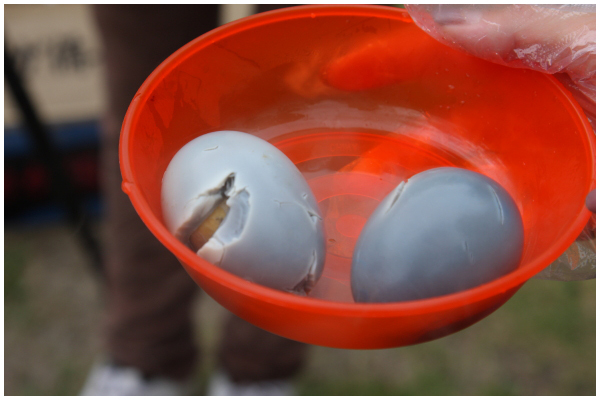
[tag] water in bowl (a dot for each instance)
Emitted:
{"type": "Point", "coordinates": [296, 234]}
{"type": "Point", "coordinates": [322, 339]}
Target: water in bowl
{"type": "Point", "coordinates": [350, 173]}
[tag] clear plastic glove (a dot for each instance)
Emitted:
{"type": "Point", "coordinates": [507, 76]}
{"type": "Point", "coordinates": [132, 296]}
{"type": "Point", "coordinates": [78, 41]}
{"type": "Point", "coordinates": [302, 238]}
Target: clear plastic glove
{"type": "Point", "coordinates": [554, 39]}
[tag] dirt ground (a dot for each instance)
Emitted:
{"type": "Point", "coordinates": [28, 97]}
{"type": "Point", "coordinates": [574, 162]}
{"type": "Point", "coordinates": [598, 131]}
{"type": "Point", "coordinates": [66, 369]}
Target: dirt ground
{"type": "Point", "coordinates": [542, 342]}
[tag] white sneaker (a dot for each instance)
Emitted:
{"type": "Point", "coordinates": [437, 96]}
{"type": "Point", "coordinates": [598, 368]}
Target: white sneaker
{"type": "Point", "coordinates": [221, 385]}
{"type": "Point", "coordinates": [106, 379]}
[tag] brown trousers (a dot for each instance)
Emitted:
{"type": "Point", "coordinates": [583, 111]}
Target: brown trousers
{"type": "Point", "coordinates": [149, 294]}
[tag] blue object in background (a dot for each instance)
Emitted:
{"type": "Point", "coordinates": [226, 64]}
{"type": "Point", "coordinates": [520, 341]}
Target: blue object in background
{"type": "Point", "coordinates": [66, 137]}
{"type": "Point", "coordinates": [27, 191]}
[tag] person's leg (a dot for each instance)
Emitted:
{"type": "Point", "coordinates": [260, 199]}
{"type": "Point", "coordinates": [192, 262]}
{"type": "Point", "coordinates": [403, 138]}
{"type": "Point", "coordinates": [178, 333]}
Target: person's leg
{"type": "Point", "coordinates": [149, 294]}
{"type": "Point", "coordinates": [251, 354]}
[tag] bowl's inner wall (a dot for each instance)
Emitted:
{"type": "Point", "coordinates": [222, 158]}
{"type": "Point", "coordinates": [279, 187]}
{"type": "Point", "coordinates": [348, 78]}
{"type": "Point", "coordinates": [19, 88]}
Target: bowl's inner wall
{"type": "Point", "coordinates": [512, 125]}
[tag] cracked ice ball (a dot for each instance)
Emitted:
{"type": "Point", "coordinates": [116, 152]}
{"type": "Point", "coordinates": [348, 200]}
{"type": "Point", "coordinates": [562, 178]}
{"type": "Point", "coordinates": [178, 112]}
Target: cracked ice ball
{"type": "Point", "coordinates": [443, 231]}
{"type": "Point", "coordinates": [252, 209]}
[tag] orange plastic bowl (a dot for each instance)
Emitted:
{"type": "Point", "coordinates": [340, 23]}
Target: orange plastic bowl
{"type": "Point", "coordinates": [360, 99]}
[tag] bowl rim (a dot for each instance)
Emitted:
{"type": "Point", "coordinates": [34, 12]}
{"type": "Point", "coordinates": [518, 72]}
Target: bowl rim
{"type": "Point", "coordinates": [278, 298]}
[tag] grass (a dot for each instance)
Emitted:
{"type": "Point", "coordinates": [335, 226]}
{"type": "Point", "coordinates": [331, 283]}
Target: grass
{"type": "Point", "coordinates": [541, 342]}
{"type": "Point", "coordinates": [345, 388]}
{"type": "Point", "coordinates": [14, 268]}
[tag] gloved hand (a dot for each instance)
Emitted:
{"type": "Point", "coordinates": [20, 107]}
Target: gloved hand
{"type": "Point", "coordinates": [555, 39]}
